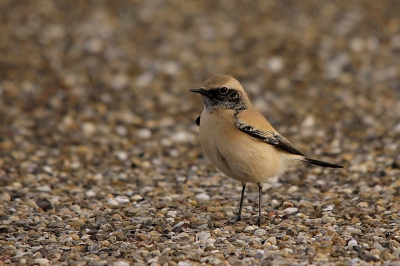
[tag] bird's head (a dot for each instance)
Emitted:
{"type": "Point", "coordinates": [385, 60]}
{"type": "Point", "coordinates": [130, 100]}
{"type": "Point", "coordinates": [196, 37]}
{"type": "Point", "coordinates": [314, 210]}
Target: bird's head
{"type": "Point", "coordinates": [223, 92]}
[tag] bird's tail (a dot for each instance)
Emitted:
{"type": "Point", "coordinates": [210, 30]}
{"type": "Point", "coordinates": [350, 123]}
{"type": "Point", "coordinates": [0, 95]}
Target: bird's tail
{"type": "Point", "coordinates": [321, 163]}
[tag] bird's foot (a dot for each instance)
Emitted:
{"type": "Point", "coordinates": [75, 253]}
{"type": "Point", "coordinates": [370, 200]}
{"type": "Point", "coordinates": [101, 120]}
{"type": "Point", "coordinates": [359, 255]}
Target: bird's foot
{"type": "Point", "coordinates": [259, 222]}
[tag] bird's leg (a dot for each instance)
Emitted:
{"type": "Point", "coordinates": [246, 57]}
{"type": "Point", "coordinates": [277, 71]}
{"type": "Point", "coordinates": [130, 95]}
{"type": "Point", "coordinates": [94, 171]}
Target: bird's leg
{"type": "Point", "coordinates": [260, 185]}
{"type": "Point", "coordinates": [239, 217]}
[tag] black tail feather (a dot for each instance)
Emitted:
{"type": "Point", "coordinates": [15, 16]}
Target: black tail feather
{"type": "Point", "coordinates": [321, 163]}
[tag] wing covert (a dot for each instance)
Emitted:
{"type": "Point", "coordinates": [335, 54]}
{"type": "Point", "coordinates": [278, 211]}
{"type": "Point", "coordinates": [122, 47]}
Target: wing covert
{"type": "Point", "coordinates": [271, 137]}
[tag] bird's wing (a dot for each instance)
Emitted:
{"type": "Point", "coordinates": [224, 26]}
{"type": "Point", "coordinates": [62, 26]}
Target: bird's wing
{"type": "Point", "coordinates": [198, 120]}
{"type": "Point", "coordinates": [254, 124]}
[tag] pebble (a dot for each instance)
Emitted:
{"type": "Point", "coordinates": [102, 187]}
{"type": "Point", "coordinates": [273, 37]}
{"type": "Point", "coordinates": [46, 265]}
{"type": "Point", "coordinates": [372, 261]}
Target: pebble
{"type": "Point", "coordinates": [122, 199]}
{"type": "Point", "coordinates": [203, 236]}
{"type": "Point", "coordinates": [121, 155]}
{"type": "Point", "coordinates": [290, 210]}
{"type": "Point", "coordinates": [203, 197]}
{"type": "Point", "coordinates": [136, 197]}
{"type": "Point", "coordinates": [144, 133]}
{"type": "Point", "coordinates": [43, 261]}
{"type": "Point", "coordinates": [352, 243]}
{"type": "Point", "coordinates": [112, 202]}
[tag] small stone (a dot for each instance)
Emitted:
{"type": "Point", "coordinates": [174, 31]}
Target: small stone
{"type": "Point", "coordinates": [47, 169]}
{"type": "Point", "coordinates": [352, 243]}
{"type": "Point", "coordinates": [363, 204]}
{"type": "Point", "coordinates": [271, 240]}
{"type": "Point", "coordinates": [274, 203]}
{"type": "Point", "coordinates": [287, 204]}
{"type": "Point", "coordinates": [136, 197]}
{"type": "Point", "coordinates": [43, 189]}
{"type": "Point", "coordinates": [184, 237]}
{"type": "Point", "coordinates": [121, 155]}
{"type": "Point", "coordinates": [353, 231]}
{"type": "Point", "coordinates": [203, 196]}
{"type": "Point", "coordinates": [275, 64]}
{"type": "Point", "coordinates": [144, 133]}
{"type": "Point", "coordinates": [292, 189]}
{"type": "Point", "coordinates": [42, 261]}
{"type": "Point", "coordinates": [5, 197]}
{"type": "Point", "coordinates": [260, 232]}
{"type": "Point", "coordinates": [172, 213]}
{"type": "Point", "coordinates": [203, 236]}
{"type": "Point", "coordinates": [290, 210]}
{"type": "Point", "coordinates": [45, 204]}
{"type": "Point", "coordinates": [88, 128]}
{"type": "Point", "coordinates": [121, 199]}
{"type": "Point", "coordinates": [121, 263]}
{"type": "Point", "coordinates": [119, 81]}
{"type": "Point", "coordinates": [90, 193]}
{"type": "Point", "coordinates": [121, 130]}
{"type": "Point", "coordinates": [249, 228]}
{"type": "Point", "coordinates": [320, 257]}
{"type": "Point", "coordinates": [112, 202]}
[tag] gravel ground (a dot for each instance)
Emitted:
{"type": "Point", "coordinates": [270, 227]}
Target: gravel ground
{"type": "Point", "coordinates": [100, 163]}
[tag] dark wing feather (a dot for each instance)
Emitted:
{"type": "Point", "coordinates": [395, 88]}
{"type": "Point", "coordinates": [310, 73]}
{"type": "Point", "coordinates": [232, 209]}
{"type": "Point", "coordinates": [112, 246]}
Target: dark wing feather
{"type": "Point", "coordinates": [270, 137]}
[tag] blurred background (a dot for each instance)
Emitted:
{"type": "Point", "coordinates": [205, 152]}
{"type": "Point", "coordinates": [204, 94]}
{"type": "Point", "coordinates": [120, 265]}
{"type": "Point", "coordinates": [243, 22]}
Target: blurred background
{"type": "Point", "coordinates": [97, 124]}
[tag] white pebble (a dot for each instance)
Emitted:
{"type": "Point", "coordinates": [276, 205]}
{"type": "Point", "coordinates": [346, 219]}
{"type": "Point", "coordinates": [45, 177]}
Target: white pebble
{"type": "Point", "coordinates": [119, 81]}
{"type": "Point", "coordinates": [378, 246]}
{"type": "Point", "coordinates": [144, 133]}
{"type": "Point", "coordinates": [275, 64]}
{"type": "Point", "coordinates": [90, 193]}
{"type": "Point", "coordinates": [180, 137]}
{"type": "Point", "coordinates": [121, 263]}
{"type": "Point", "coordinates": [274, 203]}
{"type": "Point", "coordinates": [203, 236]}
{"type": "Point", "coordinates": [47, 169]}
{"type": "Point", "coordinates": [290, 210]}
{"type": "Point", "coordinates": [172, 213]}
{"type": "Point", "coordinates": [292, 189]}
{"type": "Point", "coordinates": [308, 122]}
{"type": "Point", "coordinates": [260, 232]}
{"type": "Point", "coordinates": [203, 196]}
{"type": "Point", "coordinates": [353, 230]}
{"type": "Point", "coordinates": [170, 220]}
{"type": "Point", "coordinates": [121, 199]}
{"type": "Point", "coordinates": [136, 197]}
{"type": "Point", "coordinates": [75, 165]}
{"type": "Point", "coordinates": [112, 202]}
{"type": "Point", "coordinates": [185, 263]}
{"type": "Point", "coordinates": [43, 189]}
{"type": "Point", "coordinates": [121, 130]}
{"type": "Point", "coordinates": [144, 79]}
{"type": "Point", "coordinates": [42, 261]}
{"type": "Point", "coordinates": [249, 228]}
{"type": "Point", "coordinates": [88, 128]}
{"type": "Point", "coordinates": [121, 155]}
{"type": "Point", "coordinates": [98, 177]}
{"type": "Point", "coordinates": [352, 243]}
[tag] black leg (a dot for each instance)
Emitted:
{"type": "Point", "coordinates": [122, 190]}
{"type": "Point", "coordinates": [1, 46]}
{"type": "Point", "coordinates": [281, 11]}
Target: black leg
{"type": "Point", "coordinates": [259, 203]}
{"type": "Point", "coordinates": [239, 217]}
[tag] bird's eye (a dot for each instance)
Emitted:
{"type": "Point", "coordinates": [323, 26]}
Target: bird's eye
{"type": "Point", "coordinates": [223, 90]}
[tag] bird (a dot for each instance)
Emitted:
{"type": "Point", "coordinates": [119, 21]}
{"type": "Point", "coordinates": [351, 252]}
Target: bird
{"type": "Point", "coordinates": [240, 141]}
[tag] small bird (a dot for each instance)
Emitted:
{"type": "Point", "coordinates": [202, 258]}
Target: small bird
{"type": "Point", "coordinates": [239, 140]}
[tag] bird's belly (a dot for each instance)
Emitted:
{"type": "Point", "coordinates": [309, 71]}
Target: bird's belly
{"type": "Point", "coordinates": [239, 156]}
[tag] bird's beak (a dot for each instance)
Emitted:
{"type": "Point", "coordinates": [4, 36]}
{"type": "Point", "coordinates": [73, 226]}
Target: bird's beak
{"type": "Point", "coordinates": [201, 91]}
